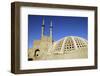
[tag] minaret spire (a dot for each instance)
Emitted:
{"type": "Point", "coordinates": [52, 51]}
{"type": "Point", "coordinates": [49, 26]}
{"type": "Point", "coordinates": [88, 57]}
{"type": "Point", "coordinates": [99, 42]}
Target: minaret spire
{"type": "Point", "coordinates": [51, 29]}
{"type": "Point", "coordinates": [43, 21]}
{"type": "Point", "coordinates": [42, 34]}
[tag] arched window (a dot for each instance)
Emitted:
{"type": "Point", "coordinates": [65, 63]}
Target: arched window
{"type": "Point", "coordinates": [36, 52]}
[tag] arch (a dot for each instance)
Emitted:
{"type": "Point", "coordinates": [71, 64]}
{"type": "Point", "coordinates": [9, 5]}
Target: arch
{"type": "Point", "coordinates": [36, 54]}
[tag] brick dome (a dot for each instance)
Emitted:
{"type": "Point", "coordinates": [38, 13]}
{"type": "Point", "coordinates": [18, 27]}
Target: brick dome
{"type": "Point", "coordinates": [70, 43]}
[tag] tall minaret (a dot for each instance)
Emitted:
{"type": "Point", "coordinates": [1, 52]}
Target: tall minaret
{"type": "Point", "coordinates": [51, 29]}
{"type": "Point", "coordinates": [42, 27]}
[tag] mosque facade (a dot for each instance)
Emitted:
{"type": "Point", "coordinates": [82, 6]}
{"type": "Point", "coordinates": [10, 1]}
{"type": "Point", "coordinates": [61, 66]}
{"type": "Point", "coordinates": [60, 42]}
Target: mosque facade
{"type": "Point", "coordinates": [69, 47]}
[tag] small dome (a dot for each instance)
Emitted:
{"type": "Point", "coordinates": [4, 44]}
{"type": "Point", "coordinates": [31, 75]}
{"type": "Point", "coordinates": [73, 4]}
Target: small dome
{"type": "Point", "coordinates": [70, 43]}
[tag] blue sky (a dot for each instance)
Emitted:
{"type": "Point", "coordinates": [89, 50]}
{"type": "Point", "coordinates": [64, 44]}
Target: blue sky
{"type": "Point", "coordinates": [62, 26]}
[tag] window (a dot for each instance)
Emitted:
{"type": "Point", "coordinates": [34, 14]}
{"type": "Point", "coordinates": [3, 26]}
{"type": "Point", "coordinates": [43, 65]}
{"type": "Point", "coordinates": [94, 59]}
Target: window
{"type": "Point", "coordinates": [36, 52]}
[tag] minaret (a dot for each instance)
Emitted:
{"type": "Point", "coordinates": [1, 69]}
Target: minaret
{"type": "Point", "coordinates": [42, 27]}
{"type": "Point", "coordinates": [51, 29]}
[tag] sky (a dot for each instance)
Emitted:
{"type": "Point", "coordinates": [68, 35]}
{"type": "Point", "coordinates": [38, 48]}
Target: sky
{"type": "Point", "coordinates": [62, 26]}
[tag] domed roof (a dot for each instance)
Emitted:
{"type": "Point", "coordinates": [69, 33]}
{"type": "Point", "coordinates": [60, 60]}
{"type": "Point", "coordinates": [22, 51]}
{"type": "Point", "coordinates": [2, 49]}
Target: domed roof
{"type": "Point", "coordinates": [70, 43]}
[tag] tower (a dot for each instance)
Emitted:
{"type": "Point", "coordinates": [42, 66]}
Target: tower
{"type": "Point", "coordinates": [51, 29]}
{"type": "Point", "coordinates": [42, 27]}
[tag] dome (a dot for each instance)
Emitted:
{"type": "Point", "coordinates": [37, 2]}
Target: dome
{"type": "Point", "coordinates": [69, 43]}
